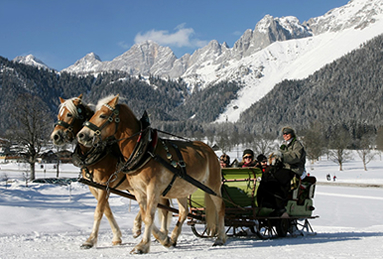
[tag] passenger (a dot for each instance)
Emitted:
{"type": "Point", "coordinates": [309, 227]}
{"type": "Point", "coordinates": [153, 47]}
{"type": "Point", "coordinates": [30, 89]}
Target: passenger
{"type": "Point", "coordinates": [247, 159]}
{"type": "Point", "coordinates": [262, 163]}
{"type": "Point", "coordinates": [224, 161]}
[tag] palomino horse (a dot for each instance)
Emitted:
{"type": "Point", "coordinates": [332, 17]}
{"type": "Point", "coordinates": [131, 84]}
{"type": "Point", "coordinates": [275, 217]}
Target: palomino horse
{"type": "Point", "coordinates": [72, 114]}
{"type": "Point", "coordinates": [153, 179]}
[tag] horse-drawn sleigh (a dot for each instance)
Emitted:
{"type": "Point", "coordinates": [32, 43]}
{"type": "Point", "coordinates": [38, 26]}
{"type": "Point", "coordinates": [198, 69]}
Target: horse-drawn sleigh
{"type": "Point", "coordinates": [131, 156]}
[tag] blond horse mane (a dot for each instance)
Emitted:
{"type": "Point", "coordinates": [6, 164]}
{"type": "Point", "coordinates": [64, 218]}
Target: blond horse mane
{"type": "Point", "coordinates": [69, 104]}
{"type": "Point", "coordinates": [103, 101]}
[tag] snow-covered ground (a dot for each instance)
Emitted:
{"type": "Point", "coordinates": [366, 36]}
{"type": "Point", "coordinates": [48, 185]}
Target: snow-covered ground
{"type": "Point", "coordinates": [52, 221]}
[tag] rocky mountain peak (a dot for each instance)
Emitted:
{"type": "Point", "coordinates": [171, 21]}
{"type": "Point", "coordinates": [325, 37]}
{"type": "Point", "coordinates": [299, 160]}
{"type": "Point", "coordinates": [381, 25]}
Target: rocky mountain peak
{"type": "Point", "coordinates": [144, 58]}
{"type": "Point", "coordinates": [30, 60]}
{"type": "Point", "coordinates": [89, 63]}
{"type": "Point", "coordinates": [356, 14]}
{"type": "Point", "coordinates": [269, 30]}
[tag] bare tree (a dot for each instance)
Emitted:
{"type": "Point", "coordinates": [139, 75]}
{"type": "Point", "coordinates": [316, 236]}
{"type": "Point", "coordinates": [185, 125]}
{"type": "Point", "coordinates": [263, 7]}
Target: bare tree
{"type": "Point", "coordinates": [339, 142]}
{"type": "Point", "coordinates": [30, 128]}
{"type": "Point", "coordinates": [224, 142]}
{"type": "Point", "coordinates": [365, 150]}
{"type": "Point", "coordinates": [314, 141]}
{"type": "Point", "coordinates": [264, 144]}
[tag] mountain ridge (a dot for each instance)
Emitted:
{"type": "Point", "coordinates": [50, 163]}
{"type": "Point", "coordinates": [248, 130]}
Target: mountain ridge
{"type": "Point", "coordinates": [277, 49]}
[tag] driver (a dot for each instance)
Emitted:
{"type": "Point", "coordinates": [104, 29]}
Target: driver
{"type": "Point", "coordinates": [292, 152]}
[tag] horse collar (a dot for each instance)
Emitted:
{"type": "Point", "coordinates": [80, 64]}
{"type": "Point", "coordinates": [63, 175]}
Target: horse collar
{"type": "Point", "coordinates": [146, 143]}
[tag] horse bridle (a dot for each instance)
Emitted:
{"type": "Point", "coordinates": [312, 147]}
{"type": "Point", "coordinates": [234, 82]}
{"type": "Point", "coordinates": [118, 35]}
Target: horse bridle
{"type": "Point", "coordinates": [69, 126]}
{"type": "Point", "coordinates": [114, 116]}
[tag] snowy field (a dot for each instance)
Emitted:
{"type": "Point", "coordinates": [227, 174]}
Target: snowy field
{"type": "Point", "coordinates": [52, 221]}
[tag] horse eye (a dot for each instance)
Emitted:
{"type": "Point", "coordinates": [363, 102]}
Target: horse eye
{"type": "Point", "coordinates": [69, 115]}
{"type": "Point", "coordinates": [102, 116]}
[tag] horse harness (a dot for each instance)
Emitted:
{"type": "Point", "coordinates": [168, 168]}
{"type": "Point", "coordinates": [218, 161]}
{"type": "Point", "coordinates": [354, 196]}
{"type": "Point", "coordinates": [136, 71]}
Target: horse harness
{"type": "Point", "coordinates": [144, 150]}
{"type": "Point", "coordinates": [82, 115]}
{"type": "Point", "coordinates": [94, 155]}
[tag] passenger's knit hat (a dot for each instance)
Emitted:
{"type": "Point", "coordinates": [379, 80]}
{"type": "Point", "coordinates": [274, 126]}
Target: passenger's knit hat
{"type": "Point", "coordinates": [261, 158]}
{"type": "Point", "coordinates": [248, 152]}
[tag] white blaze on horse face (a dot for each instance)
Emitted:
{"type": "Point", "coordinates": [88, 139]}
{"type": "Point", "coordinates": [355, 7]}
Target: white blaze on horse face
{"type": "Point", "coordinates": [61, 112]}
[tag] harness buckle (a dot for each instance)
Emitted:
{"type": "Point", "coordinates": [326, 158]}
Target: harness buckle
{"type": "Point", "coordinates": [174, 164]}
{"type": "Point", "coordinates": [182, 163]}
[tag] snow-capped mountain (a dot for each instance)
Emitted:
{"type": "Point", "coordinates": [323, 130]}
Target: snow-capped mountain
{"type": "Point", "coordinates": [87, 63]}
{"type": "Point", "coordinates": [30, 60]}
{"type": "Point", "coordinates": [277, 49]}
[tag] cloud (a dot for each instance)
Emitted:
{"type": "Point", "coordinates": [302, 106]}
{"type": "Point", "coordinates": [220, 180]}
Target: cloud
{"type": "Point", "coordinates": [182, 37]}
{"type": "Point", "coordinates": [123, 45]}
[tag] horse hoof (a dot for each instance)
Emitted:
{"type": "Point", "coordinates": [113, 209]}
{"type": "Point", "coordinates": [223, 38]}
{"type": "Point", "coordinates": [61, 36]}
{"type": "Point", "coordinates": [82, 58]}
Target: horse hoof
{"type": "Point", "coordinates": [116, 243]}
{"type": "Point", "coordinates": [86, 246]}
{"type": "Point", "coordinates": [137, 251]}
{"type": "Point", "coordinates": [218, 243]}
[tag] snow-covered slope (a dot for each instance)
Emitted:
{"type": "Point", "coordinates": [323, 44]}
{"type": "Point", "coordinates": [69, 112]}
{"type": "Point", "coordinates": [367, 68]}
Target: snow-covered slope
{"type": "Point", "coordinates": [277, 49]}
{"type": "Point", "coordinates": [293, 59]}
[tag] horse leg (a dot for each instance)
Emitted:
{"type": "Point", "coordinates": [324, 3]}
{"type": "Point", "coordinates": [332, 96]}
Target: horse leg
{"type": "Point", "coordinates": [215, 218]}
{"type": "Point", "coordinates": [183, 212]}
{"type": "Point", "coordinates": [164, 217]}
{"type": "Point", "coordinates": [137, 225]}
{"type": "Point", "coordinates": [113, 224]}
{"type": "Point", "coordinates": [147, 214]}
{"type": "Point", "coordinates": [148, 205]}
{"type": "Point", "coordinates": [92, 240]}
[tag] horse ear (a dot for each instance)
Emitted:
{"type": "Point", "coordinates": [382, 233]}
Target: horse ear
{"type": "Point", "coordinates": [114, 101]}
{"type": "Point", "coordinates": [80, 96]}
{"type": "Point", "coordinates": [61, 100]}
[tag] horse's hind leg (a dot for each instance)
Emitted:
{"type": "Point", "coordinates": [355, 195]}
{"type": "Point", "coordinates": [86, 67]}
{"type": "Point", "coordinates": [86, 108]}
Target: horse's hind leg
{"type": "Point", "coordinates": [183, 212]}
{"type": "Point", "coordinates": [137, 225]}
{"type": "Point", "coordinates": [164, 217]}
{"type": "Point", "coordinates": [215, 217]}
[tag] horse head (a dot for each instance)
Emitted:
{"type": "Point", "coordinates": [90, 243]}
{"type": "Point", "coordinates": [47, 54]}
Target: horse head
{"type": "Point", "coordinates": [72, 114]}
{"type": "Point", "coordinates": [106, 123]}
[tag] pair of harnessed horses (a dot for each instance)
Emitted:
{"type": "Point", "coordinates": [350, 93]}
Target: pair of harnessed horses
{"type": "Point", "coordinates": [153, 169]}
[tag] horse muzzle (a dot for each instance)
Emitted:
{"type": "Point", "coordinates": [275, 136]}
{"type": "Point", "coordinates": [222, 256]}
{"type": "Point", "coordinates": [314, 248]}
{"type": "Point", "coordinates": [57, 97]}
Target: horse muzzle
{"type": "Point", "coordinates": [85, 139]}
{"type": "Point", "coordinates": [58, 138]}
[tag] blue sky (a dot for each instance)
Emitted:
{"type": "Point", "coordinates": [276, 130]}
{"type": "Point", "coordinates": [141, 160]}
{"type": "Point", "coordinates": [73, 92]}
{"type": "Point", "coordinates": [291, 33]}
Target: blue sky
{"type": "Point", "coordinates": [61, 32]}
